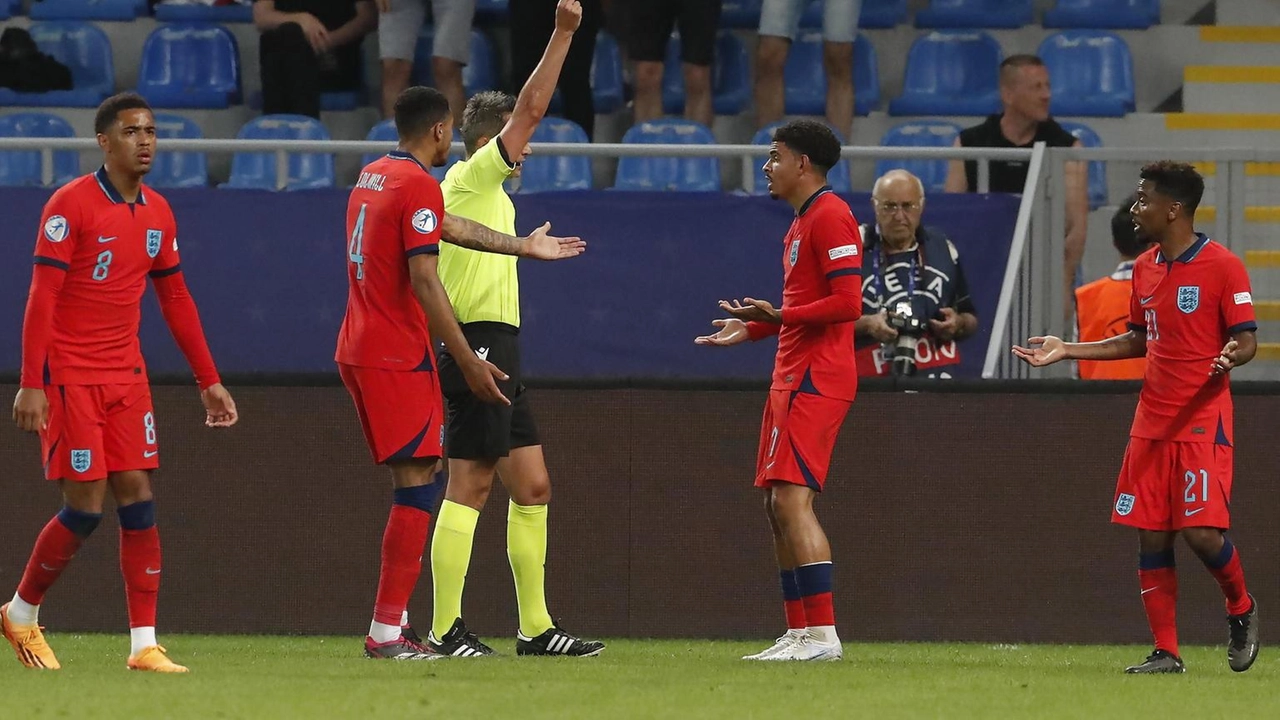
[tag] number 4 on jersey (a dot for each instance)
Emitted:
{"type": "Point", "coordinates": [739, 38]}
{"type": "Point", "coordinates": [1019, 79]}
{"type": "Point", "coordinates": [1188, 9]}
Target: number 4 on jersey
{"type": "Point", "coordinates": [355, 251]}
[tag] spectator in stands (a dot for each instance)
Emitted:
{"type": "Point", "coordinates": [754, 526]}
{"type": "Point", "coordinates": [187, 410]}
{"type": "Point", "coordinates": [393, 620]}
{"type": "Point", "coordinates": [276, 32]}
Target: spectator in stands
{"type": "Point", "coordinates": [1024, 92]}
{"type": "Point", "coordinates": [536, 20]}
{"type": "Point", "coordinates": [779, 23]}
{"type": "Point", "coordinates": [308, 47]}
{"type": "Point", "coordinates": [400, 23]}
{"type": "Point", "coordinates": [651, 23]}
{"type": "Point", "coordinates": [1102, 306]}
{"type": "Point", "coordinates": [915, 300]}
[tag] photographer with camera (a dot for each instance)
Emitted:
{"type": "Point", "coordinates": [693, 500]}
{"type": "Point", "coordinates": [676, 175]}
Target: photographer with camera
{"type": "Point", "coordinates": [915, 301]}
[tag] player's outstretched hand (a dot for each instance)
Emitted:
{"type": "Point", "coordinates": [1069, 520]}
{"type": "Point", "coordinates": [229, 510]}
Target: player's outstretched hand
{"type": "Point", "coordinates": [542, 245]}
{"type": "Point", "coordinates": [568, 15]}
{"type": "Point", "coordinates": [752, 310]}
{"type": "Point", "coordinates": [31, 410]}
{"type": "Point", "coordinates": [1226, 359]}
{"type": "Point", "coordinates": [480, 376]}
{"type": "Point", "coordinates": [219, 408]}
{"type": "Point", "coordinates": [732, 331]}
{"type": "Point", "coordinates": [1049, 351]}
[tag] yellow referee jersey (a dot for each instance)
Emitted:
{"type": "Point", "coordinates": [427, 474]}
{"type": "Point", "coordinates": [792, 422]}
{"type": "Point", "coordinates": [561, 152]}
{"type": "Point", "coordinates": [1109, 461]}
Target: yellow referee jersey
{"type": "Point", "coordinates": [483, 287]}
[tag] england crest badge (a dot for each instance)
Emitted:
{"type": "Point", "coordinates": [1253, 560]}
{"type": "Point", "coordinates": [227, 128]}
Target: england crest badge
{"type": "Point", "coordinates": [1188, 298]}
{"type": "Point", "coordinates": [154, 237]}
{"type": "Point", "coordinates": [1124, 504]}
{"type": "Point", "coordinates": [81, 460]}
{"type": "Point", "coordinates": [795, 252]}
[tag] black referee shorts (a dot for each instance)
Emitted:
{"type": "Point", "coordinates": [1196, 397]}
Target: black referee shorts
{"type": "Point", "coordinates": [477, 430]}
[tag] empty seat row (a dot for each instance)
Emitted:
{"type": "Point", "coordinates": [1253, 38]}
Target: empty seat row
{"type": "Point", "coordinates": [541, 173]}
{"type": "Point", "coordinates": [957, 73]}
{"type": "Point", "coordinates": [953, 14]}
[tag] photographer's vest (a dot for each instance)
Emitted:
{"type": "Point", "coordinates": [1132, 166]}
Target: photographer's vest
{"type": "Point", "coordinates": [930, 293]}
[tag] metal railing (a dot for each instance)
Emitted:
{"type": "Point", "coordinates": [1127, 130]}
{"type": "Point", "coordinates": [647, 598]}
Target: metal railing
{"type": "Point", "coordinates": [748, 155]}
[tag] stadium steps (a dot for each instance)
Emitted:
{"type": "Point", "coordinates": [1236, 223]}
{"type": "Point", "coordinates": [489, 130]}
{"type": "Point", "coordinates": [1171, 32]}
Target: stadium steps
{"type": "Point", "coordinates": [1243, 88]}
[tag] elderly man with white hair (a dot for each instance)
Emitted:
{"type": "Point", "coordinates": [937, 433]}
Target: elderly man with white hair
{"type": "Point", "coordinates": [915, 301]}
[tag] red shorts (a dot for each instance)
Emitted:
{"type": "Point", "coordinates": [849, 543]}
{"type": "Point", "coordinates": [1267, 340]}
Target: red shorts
{"type": "Point", "coordinates": [402, 413]}
{"type": "Point", "coordinates": [98, 429]}
{"type": "Point", "coordinates": [797, 438]}
{"type": "Point", "coordinates": [1166, 485]}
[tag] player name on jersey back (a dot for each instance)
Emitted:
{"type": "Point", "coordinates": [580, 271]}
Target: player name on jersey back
{"type": "Point", "coordinates": [371, 181]}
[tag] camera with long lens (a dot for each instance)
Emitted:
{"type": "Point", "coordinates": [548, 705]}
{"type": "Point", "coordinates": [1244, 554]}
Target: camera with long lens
{"type": "Point", "coordinates": [910, 329]}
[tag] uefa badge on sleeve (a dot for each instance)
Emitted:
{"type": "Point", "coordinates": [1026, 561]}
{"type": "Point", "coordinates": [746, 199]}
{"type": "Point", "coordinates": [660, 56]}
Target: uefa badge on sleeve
{"type": "Point", "coordinates": [154, 238]}
{"type": "Point", "coordinates": [81, 460]}
{"type": "Point", "coordinates": [1188, 298]}
{"type": "Point", "coordinates": [1124, 504]}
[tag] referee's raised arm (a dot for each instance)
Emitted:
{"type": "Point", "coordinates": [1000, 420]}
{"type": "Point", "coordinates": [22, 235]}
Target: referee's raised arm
{"type": "Point", "coordinates": [535, 96]}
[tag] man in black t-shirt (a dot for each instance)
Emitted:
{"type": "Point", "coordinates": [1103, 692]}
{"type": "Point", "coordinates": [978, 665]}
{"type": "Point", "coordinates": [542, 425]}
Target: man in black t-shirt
{"type": "Point", "coordinates": [308, 47]}
{"type": "Point", "coordinates": [1024, 92]}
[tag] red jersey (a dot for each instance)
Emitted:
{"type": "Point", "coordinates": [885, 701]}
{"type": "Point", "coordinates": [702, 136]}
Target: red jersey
{"type": "Point", "coordinates": [822, 246]}
{"type": "Point", "coordinates": [107, 247]}
{"type": "Point", "coordinates": [394, 213]}
{"type": "Point", "coordinates": [1189, 308]}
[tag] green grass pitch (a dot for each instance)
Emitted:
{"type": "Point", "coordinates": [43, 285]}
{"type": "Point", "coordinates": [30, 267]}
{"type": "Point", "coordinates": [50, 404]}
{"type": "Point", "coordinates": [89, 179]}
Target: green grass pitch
{"type": "Point", "coordinates": [313, 677]}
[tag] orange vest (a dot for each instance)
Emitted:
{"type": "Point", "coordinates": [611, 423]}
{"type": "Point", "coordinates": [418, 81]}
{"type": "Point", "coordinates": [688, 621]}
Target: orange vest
{"type": "Point", "coordinates": [1102, 311]}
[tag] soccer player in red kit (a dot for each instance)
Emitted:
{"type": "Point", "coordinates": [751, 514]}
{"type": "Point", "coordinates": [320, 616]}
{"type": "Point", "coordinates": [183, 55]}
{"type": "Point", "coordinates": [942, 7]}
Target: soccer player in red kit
{"type": "Point", "coordinates": [395, 222]}
{"type": "Point", "coordinates": [84, 383]}
{"type": "Point", "coordinates": [1191, 314]}
{"type": "Point", "coordinates": [814, 377]}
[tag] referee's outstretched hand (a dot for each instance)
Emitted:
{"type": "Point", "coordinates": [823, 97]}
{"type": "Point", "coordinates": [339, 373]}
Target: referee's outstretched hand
{"type": "Point", "coordinates": [542, 245]}
{"type": "Point", "coordinates": [480, 376]}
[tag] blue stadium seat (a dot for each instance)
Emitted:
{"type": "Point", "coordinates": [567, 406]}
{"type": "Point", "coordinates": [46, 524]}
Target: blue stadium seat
{"type": "Point", "coordinates": [951, 73]}
{"type": "Point", "coordinates": [88, 9]}
{"type": "Point", "coordinates": [806, 76]}
{"type": "Point", "coordinates": [1097, 168]}
{"type": "Point", "coordinates": [1104, 14]}
{"type": "Point", "coordinates": [606, 75]}
{"type": "Point", "coordinates": [543, 173]}
{"type": "Point", "coordinates": [384, 131]}
{"type": "Point", "coordinates": [9, 8]}
{"type": "Point", "coordinates": [307, 171]}
{"type": "Point", "coordinates": [23, 167]}
{"type": "Point", "coordinates": [924, 133]}
{"type": "Point", "coordinates": [838, 177]}
{"type": "Point", "coordinates": [177, 169]}
{"type": "Point", "coordinates": [492, 8]}
{"type": "Point", "coordinates": [668, 173]}
{"type": "Point", "coordinates": [975, 14]}
{"type": "Point", "coordinates": [875, 14]}
{"type": "Point", "coordinates": [740, 14]}
{"type": "Point", "coordinates": [477, 76]}
{"type": "Point", "coordinates": [86, 51]}
{"type": "Point", "coordinates": [730, 76]}
{"type": "Point", "coordinates": [1091, 73]}
{"type": "Point", "coordinates": [199, 12]}
{"type": "Point", "coordinates": [190, 66]}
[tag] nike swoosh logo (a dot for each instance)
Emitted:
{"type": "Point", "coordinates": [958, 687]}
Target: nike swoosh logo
{"type": "Point", "coordinates": [1189, 513]}
{"type": "Point", "coordinates": [50, 569]}
{"type": "Point", "coordinates": [1144, 301]}
{"type": "Point", "coordinates": [106, 239]}
{"type": "Point", "coordinates": [1144, 592]}
{"type": "Point", "coordinates": [156, 571]}
{"type": "Point", "coordinates": [150, 453]}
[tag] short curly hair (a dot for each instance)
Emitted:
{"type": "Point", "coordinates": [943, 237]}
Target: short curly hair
{"type": "Point", "coordinates": [1177, 181]}
{"type": "Point", "coordinates": [811, 138]}
{"type": "Point", "coordinates": [111, 108]}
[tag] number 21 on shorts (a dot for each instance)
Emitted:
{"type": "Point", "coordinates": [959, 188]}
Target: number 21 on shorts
{"type": "Point", "coordinates": [1196, 482]}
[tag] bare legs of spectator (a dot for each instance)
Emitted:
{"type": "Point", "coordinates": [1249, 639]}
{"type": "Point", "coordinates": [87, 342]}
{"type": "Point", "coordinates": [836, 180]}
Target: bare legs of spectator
{"type": "Point", "coordinates": [771, 58]}
{"type": "Point", "coordinates": [838, 60]}
{"type": "Point", "coordinates": [697, 93]}
{"type": "Point", "coordinates": [648, 100]}
{"type": "Point", "coordinates": [448, 77]}
{"type": "Point", "coordinates": [395, 78]}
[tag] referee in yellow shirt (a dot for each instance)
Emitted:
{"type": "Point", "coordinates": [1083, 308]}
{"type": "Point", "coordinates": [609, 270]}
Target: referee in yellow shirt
{"type": "Point", "coordinates": [486, 439]}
